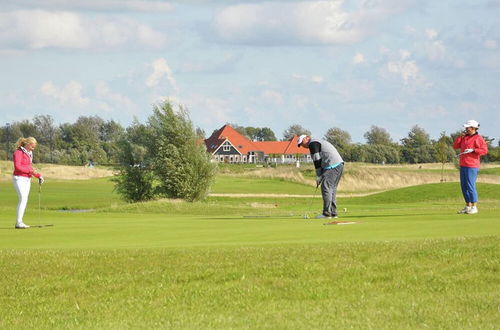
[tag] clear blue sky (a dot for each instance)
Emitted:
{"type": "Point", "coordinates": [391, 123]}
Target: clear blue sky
{"type": "Point", "coordinates": [320, 64]}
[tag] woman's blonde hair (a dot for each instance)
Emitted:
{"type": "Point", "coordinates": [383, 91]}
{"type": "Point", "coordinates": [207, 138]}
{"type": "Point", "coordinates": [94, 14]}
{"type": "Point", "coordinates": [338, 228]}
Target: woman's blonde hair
{"type": "Point", "coordinates": [22, 142]}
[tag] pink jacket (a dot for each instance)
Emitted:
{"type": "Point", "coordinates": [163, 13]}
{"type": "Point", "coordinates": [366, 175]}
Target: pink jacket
{"type": "Point", "coordinates": [22, 165]}
{"type": "Point", "coordinates": [475, 142]}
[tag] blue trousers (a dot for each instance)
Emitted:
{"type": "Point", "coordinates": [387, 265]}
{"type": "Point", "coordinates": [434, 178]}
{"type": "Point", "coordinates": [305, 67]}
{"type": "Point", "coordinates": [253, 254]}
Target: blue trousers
{"type": "Point", "coordinates": [468, 176]}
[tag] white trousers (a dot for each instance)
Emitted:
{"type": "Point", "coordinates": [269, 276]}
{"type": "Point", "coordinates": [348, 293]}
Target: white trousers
{"type": "Point", "coordinates": [22, 185]}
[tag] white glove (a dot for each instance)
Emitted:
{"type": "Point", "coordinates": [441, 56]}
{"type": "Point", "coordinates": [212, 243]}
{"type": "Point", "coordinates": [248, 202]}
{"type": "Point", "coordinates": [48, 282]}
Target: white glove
{"type": "Point", "coordinates": [468, 151]}
{"type": "Point", "coordinates": [41, 180]}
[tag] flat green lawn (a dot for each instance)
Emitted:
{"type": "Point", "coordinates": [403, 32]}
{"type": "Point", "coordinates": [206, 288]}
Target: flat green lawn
{"type": "Point", "coordinates": [132, 230]}
{"type": "Point", "coordinates": [410, 262]}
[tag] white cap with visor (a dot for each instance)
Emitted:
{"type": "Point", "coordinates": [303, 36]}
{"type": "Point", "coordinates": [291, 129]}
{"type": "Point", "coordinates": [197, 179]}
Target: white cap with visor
{"type": "Point", "coordinates": [301, 138]}
{"type": "Point", "coordinates": [471, 123]}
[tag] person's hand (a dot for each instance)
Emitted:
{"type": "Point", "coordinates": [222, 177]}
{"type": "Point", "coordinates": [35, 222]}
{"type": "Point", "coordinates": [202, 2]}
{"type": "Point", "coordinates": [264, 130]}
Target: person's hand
{"type": "Point", "coordinates": [468, 151]}
{"type": "Point", "coordinates": [41, 180]}
{"type": "Point", "coordinates": [318, 181]}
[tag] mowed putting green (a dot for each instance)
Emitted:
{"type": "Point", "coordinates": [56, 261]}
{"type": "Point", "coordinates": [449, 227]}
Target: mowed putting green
{"type": "Point", "coordinates": [410, 262]}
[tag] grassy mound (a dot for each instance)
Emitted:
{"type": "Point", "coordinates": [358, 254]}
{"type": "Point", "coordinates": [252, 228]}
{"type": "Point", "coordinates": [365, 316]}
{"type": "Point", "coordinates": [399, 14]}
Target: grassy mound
{"type": "Point", "coordinates": [435, 192]}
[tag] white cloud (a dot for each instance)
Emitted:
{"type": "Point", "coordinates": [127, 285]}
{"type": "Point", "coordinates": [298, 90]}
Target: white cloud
{"type": "Point", "coordinates": [96, 5]}
{"type": "Point", "coordinates": [410, 29]}
{"type": "Point", "coordinates": [490, 61]}
{"type": "Point", "coordinates": [69, 95]}
{"type": "Point", "coordinates": [210, 111]}
{"type": "Point", "coordinates": [429, 112]}
{"type": "Point", "coordinates": [408, 70]}
{"type": "Point", "coordinates": [38, 29]}
{"type": "Point", "coordinates": [436, 51]}
{"type": "Point", "coordinates": [161, 70]}
{"type": "Point", "coordinates": [490, 44]}
{"type": "Point", "coordinates": [314, 78]}
{"type": "Point", "coordinates": [300, 101]}
{"type": "Point", "coordinates": [358, 58]}
{"type": "Point", "coordinates": [110, 101]}
{"type": "Point", "coordinates": [273, 96]}
{"type": "Point", "coordinates": [306, 22]}
{"type": "Point", "coordinates": [431, 34]}
{"type": "Point", "coordinates": [405, 54]}
{"type": "Point", "coordinates": [317, 79]}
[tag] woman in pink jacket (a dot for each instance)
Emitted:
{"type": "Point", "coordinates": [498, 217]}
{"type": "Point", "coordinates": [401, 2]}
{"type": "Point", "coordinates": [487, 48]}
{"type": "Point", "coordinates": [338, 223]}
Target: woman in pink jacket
{"type": "Point", "coordinates": [472, 146]}
{"type": "Point", "coordinates": [23, 171]}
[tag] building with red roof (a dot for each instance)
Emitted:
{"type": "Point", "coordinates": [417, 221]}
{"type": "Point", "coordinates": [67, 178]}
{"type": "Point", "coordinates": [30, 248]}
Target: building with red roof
{"type": "Point", "coordinates": [229, 146]}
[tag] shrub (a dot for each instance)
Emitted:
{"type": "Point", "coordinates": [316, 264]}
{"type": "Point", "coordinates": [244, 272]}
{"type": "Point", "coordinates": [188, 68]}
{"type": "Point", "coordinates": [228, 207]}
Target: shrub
{"type": "Point", "coordinates": [169, 161]}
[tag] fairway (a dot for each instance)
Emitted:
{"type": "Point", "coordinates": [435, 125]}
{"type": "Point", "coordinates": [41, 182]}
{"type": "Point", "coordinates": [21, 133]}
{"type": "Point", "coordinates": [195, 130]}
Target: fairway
{"type": "Point", "coordinates": [254, 262]}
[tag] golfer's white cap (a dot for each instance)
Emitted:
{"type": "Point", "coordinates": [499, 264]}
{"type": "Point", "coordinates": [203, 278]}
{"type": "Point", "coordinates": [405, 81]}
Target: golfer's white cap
{"type": "Point", "coordinates": [301, 138]}
{"type": "Point", "coordinates": [471, 123]}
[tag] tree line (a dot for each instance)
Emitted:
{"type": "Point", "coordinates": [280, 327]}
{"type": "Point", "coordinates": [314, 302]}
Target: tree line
{"type": "Point", "coordinates": [93, 139]}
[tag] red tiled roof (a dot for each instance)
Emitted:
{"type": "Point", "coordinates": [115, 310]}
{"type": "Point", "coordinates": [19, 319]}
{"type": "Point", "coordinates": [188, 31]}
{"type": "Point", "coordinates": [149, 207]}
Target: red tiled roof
{"type": "Point", "coordinates": [293, 148]}
{"type": "Point", "coordinates": [241, 143]}
{"type": "Point", "coordinates": [244, 145]}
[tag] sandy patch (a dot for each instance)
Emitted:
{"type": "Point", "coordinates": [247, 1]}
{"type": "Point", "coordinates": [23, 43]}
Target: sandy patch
{"type": "Point", "coordinates": [60, 172]}
{"type": "Point", "coordinates": [263, 206]}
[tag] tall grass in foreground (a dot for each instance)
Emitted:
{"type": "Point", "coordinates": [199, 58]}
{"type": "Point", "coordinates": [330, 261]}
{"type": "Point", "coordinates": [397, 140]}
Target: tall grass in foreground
{"type": "Point", "coordinates": [393, 285]}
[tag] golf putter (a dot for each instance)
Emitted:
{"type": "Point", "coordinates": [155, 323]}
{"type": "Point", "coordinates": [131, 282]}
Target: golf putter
{"type": "Point", "coordinates": [306, 216]}
{"type": "Point", "coordinates": [40, 208]}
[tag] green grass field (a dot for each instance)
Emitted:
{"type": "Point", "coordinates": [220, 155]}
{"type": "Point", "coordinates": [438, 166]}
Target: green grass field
{"type": "Point", "coordinates": [253, 262]}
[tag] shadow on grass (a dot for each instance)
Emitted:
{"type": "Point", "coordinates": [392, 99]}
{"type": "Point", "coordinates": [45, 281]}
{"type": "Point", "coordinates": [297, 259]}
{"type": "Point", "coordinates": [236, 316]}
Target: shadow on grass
{"type": "Point", "coordinates": [298, 216]}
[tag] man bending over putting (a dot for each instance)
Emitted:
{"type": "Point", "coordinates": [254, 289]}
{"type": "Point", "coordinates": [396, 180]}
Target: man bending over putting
{"type": "Point", "coordinates": [329, 166]}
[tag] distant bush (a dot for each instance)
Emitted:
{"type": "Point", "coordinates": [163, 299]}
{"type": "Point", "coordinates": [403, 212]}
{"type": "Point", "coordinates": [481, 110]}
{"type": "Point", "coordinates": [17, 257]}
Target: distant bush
{"type": "Point", "coordinates": [166, 161]}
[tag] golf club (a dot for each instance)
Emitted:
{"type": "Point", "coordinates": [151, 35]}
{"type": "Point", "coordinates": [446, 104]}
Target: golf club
{"type": "Point", "coordinates": [306, 215]}
{"type": "Point", "coordinates": [40, 207]}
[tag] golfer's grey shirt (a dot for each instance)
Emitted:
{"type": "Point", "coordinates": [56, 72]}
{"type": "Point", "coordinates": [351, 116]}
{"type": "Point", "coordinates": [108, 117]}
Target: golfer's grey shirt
{"type": "Point", "coordinates": [324, 155]}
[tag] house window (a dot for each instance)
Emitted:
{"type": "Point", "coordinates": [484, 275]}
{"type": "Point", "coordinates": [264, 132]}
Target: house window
{"type": "Point", "coordinates": [226, 148]}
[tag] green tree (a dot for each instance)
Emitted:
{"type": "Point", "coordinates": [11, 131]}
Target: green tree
{"type": "Point", "coordinates": [259, 133]}
{"type": "Point", "coordinates": [111, 133]}
{"type": "Point", "coordinates": [175, 164]}
{"type": "Point", "coordinates": [47, 133]}
{"type": "Point", "coordinates": [134, 182]}
{"type": "Point", "coordinates": [200, 133]}
{"type": "Point", "coordinates": [251, 132]}
{"type": "Point", "coordinates": [267, 134]}
{"type": "Point", "coordinates": [240, 129]}
{"type": "Point", "coordinates": [293, 130]}
{"type": "Point", "coordinates": [381, 154]}
{"type": "Point", "coordinates": [341, 140]}
{"type": "Point", "coordinates": [444, 152]}
{"type": "Point", "coordinates": [378, 135]}
{"type": "Point", "coordinates": [417, 147]}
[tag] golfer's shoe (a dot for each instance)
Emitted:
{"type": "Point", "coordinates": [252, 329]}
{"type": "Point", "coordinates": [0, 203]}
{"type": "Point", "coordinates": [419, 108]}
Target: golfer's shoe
{"type": "Point", "coordinates": [21, 226]}
{"type": "Point", "coordinates": [465, 210]}
{"type": "Point", "coordinates": [472, 210]}
{"type": "Point", "coordinates": [322, 216]}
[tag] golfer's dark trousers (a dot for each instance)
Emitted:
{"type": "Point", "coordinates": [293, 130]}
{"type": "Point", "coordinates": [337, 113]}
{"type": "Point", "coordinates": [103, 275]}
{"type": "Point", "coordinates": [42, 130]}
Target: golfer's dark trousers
{"type": "Point", "coordinates": [331, 180]}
